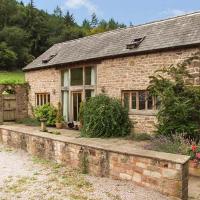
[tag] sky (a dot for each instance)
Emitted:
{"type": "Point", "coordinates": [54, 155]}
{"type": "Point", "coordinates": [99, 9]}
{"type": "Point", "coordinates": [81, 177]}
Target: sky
{"type": "Point", "coordinates": [124, 11]}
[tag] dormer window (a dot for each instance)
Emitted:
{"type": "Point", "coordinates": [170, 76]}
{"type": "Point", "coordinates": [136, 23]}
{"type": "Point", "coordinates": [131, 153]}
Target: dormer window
{"type": "Point", "coordinates": [135, 43]}
{"type": "Point", "coordinates": [46, 60]}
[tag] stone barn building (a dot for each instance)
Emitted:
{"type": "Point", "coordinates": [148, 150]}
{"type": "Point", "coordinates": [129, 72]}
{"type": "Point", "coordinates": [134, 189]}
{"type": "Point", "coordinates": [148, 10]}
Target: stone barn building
{"type": "Point", "coordinates": [117, 63]}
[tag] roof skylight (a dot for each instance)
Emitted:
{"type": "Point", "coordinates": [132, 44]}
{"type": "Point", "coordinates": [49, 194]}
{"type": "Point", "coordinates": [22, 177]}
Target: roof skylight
{"type": "Point", "coordinates": [135, 43]}
{"type": "Point", "coordinates": [46, 60]}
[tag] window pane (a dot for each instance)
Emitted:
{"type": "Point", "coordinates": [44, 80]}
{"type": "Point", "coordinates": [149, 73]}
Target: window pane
{"type": "Point", "coordinates": [142, 100]}
{"type": "Point", "coordinates": [157, 103]}
{"type": "Point", "coordinates": [65, 78]}
{"type": "Point", "coordinates": [150, 102]}
{"type": "Point", "coordinates": [45, 95]}
{"type": "Point", "coordinates": [93, 76]}
{"type": "Point", "coordinates": [133, 100]}
{"type": "Point", "coordinates": [88, 75]}
{"type": "Point", "coordinates": [48, 98]}
{"type": "Point", "coordinates": [126, 100]}
{"type": "Point", "coordinates": [38, 101]}
{"type": "Point", "coordinates": [76, 76]}
{"type": "Point", "coordinates": [41, 99]}
{"type": "Point", "coordinates": [88, 94]}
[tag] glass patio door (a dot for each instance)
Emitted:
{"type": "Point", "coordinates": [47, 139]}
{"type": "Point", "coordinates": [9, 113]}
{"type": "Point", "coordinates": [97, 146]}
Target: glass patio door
{"type": "Point", "coordinates": [76, 102]}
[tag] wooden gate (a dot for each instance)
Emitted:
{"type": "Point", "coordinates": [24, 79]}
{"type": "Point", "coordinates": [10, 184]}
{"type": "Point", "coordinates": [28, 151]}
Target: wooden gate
{"type": "Point", "coordinates": [9, 107]}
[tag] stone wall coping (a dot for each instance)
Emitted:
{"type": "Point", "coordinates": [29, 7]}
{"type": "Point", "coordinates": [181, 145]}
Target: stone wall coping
{"type": "Point", "coordinates": [143, 113]}
{"type": "Point", "coordinates": [86, 142]}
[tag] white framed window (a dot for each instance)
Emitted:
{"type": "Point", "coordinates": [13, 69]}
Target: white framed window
{"type": "Point", "coordinates": [76, 82]}
{"type": "Point", "coordinates": [139, 100]}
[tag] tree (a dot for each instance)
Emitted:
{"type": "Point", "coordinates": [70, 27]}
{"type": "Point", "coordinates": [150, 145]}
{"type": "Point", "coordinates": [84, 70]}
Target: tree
{"type": "Point", "coordinates": [17, 40]}
{"type": "Point", "coordinates": [69, 19]}
{"type": "Point", "coordinates": [28, 31]}
{"type": "Point", "coordinates": [86, 24]}
{"type": "Point", "coordinates": [112, 24]}
{"type": "Point", "coordinates": [94, 20]}
{"type": "Point", "coordinates": [32, 4]}
{"type": "Point", "coordinates": [131, 24]}
{"type": "Point", "coordinates": [58, 12]}
{"type": "Point", "coordinates": [7, 10]}
{"type": "Point", "coordinates": [86, 27]}
{"type": "Point", "coordinates": [8, 57]}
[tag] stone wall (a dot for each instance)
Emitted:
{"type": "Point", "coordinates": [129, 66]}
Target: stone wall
{"type": "Point", "coordinates": [114, 76]}
{"type": "Point", "coordinates": [44, 81]}
{"type": "Point", "coordinates": [166, 173]}
{"type": "Point", "coordinates": [21, 94]}
{"type": "Point", "coordinates": [132, 73]}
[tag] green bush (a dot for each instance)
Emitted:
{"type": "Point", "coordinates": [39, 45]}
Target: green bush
{"type": "Point", "coordinates": [47, 112]}
{"type": "Point", "coordinates": [180, 100]}
{"type": "Point", "coordinates": [102, 116]}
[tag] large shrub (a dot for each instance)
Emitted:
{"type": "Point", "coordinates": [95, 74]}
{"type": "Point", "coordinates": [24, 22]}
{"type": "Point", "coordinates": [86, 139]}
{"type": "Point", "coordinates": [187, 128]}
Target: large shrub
{"type": "Point", "coordinates": [180, 100]}
{"type": "Point", "coordinates": [47, 112]}
{"type": "Point", "coordinates": [102, 116]}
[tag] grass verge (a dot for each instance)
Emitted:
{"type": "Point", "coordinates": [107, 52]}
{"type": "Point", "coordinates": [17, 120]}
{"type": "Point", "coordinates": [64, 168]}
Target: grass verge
{"type": "Point", "coordinates": [14, 77]}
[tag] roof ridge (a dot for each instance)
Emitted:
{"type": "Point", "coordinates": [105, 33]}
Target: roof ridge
{"type": "Point", "coordinates": [132, 27]}
{"type": "Point", "coordinates": [167, 19]}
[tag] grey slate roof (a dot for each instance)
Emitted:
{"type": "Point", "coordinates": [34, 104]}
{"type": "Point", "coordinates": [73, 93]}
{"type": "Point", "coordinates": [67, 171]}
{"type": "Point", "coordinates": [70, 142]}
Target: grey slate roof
{"type": "Point", "coordinates": [173, 32]}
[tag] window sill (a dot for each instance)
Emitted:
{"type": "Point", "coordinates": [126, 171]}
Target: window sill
{"type": "Point", "coordinates": [143, 112]}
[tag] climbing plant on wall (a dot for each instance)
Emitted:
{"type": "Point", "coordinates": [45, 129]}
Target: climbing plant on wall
{"type": "Point", "coordinates": [179, 98]}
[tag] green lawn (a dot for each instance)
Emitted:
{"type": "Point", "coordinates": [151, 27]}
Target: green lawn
{"type": "Point", "coordinates": [15, 77]}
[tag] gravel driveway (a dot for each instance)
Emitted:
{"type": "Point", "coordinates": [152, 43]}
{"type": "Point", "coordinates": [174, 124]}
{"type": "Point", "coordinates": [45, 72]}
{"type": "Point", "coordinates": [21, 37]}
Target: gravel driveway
{"type": "Point", "coordinates": [29, 178]}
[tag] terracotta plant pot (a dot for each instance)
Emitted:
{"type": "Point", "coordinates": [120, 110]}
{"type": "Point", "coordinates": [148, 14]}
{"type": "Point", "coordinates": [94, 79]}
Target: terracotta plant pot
{"type": "Point", "coordinates": [59, 125]}
{"type": "Point", "coordinates": [194, 168]}
{"type": "Point", "coordinates": [194, 163]}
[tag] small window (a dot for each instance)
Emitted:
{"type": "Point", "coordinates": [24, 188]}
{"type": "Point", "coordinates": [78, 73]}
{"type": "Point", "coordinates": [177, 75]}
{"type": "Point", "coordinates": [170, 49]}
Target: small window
{"type": "Point", "coordinates": [139, 100]}
{"type": "Point", "coordinates": [42, 98]}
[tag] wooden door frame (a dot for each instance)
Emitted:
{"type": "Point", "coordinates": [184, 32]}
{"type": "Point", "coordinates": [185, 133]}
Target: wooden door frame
{"type": "Point", "coordinates": [72, 102]}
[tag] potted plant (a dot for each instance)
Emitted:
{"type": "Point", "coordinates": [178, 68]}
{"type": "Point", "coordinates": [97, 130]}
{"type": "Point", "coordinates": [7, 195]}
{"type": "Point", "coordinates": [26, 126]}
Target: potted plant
{"type": "Point", "coordinates": [46, 114]}
{"type": "Point", "coordinates": [41, 115]}
{"type": "Point", "coordinates": [194, 153]}
{"type": "Point", "coordinates": [59, 117]}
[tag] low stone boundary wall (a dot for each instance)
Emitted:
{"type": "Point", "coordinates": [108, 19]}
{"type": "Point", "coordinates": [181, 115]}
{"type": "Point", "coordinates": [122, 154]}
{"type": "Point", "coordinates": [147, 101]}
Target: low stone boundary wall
{"type": "Point", "coordinates": [166, 173]}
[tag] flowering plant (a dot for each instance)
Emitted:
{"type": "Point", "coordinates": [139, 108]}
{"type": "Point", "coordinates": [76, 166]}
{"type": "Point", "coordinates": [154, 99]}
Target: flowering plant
{"type": "Point", "coordinates": [194, 153]}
